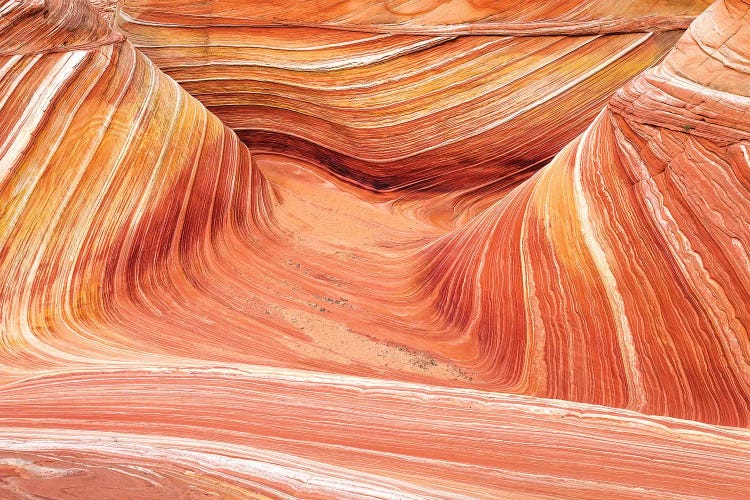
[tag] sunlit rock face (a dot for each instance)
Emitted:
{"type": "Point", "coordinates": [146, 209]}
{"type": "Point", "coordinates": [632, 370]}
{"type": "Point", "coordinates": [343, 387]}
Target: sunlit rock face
{"type": "Point", "coordinates": [632, 242]}
{"type": "Point", "coordinates": [390, 293]}
{"type": "Point", "coordinates": [106, 9]}
{"type": "Point", "coordinates": [411, 96]}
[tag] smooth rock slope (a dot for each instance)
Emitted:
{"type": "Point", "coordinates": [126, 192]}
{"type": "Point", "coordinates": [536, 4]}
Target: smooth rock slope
{"type": "Point", "coordinates": [184, 316]}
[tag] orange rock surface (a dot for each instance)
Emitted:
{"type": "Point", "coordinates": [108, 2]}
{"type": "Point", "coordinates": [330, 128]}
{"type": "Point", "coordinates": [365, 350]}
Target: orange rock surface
{"type": "Point", "coordinates": [421, 249]}
{"type": "Point", "coordinates": [395, 99]}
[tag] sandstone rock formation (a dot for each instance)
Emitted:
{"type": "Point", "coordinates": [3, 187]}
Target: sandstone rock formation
{"type": "Point", "coordinates": [379, 286]}
{"type": "Point", "coordinates": [397, 97]}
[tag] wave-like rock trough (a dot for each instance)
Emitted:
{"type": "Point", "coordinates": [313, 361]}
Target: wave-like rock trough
{"type": "Point", "coordinates": [374, 249]}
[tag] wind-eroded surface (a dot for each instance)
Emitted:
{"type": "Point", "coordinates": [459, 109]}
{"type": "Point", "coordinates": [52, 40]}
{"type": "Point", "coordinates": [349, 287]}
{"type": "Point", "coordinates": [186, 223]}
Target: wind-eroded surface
{"type": "Point", "coordinates": [396, 98]}
{"type": "Point", "coordinates": [421, 249]}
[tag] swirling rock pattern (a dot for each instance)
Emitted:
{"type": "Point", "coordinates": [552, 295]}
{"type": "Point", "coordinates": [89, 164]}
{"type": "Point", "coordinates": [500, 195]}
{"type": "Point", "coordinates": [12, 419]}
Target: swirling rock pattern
{"type": "Point", "coordinates": [393, 96]}
{"type": "Point", "coordinates": [289, 433]}
{"type": "Point", "coordinates": [360, 305]}
{"type": "Point", "coordinates": [632, 241]}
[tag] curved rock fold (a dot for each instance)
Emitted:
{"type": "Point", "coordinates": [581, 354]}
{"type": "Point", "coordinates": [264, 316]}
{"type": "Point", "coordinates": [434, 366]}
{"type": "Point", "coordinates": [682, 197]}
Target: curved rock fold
{"type": "Point", "coordinates": [374, 250]}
